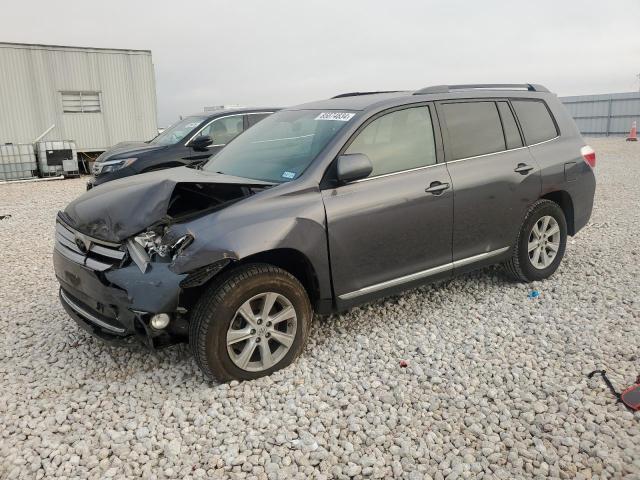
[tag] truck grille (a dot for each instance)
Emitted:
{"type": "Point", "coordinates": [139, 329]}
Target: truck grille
{"type": "Point", "coordinates": [79, 248]}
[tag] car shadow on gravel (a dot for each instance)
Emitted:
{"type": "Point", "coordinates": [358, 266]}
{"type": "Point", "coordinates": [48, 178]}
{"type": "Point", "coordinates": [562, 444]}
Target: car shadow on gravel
{"type": "Point", "coordinates": [121, 357]}
{"type": "Point", "coordinates": [494, 274]}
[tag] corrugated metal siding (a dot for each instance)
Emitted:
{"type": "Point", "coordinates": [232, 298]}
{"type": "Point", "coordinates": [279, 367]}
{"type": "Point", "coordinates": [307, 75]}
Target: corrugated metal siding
{"type": "Point", "coordinates": [32, 77]}
{"type": "Point", "coordinates": [608, 114]}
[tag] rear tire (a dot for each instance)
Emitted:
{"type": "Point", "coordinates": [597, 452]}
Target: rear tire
{"type": "Point", "coordinates": [228, 335]}
{"type": "Point", "coordinates": [540, 244]}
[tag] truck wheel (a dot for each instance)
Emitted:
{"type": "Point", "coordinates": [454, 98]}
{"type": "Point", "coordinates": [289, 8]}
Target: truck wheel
{"type": "Point", "coordinates": [251, 322]}
{"type": "Point", "coordinates": [540, 244]}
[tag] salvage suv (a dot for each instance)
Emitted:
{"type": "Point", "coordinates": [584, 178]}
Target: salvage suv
{"type": "Point", "coordinates": [321, 207]}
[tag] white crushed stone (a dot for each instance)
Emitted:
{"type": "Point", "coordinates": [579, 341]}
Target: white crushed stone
{"type": "Point", "coordinates": [495, 385]}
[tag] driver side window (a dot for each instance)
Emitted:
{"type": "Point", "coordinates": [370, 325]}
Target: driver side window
{"type": "Point", "coordinates": [397, 141]}
{"type": "Point", "coordinates": [225, 129]}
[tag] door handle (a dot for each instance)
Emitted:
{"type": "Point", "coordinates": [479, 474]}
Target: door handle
{"type": "Point", "coordinates": [436, 188]}
{"type": "Point", "coordinates": [523, 168]}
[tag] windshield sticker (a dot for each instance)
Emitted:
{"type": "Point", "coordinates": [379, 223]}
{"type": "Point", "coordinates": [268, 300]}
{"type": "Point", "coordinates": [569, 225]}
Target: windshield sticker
{"type": "Point", "coordinates": [288, 175]}
{"type": "Point", "coordinates": [336, 116]}
{"type": "Point", "coordinates": [192, 125]}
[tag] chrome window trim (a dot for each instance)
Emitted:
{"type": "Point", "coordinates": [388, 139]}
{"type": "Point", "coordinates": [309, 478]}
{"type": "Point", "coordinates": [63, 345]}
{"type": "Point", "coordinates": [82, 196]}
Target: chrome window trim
{"type": "Point", "coordinates": [396, 173]}
{"type": "Point", "coordinates": [422, 274]}
{"type": "Point", "coordinates": [451, 161]}
{"type": "Point", "coordinates": [220, 118]}
{"type": "Point", "coordinates": [88, 315]}
{"type": "Point", "coordinates": [503, 151]}
{"type": "Point", "coordinates": [209, 123]}
{"type": "Point", "coordinates": [544, 141]}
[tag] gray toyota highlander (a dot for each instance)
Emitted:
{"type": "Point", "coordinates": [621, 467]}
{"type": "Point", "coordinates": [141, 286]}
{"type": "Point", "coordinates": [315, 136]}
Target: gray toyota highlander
{"type": "Point", "coordinates": [320, 207]}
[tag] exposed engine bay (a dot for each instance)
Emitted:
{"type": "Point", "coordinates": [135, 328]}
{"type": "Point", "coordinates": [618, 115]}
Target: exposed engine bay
{"type": "Point", "coordinates": [136, 205]}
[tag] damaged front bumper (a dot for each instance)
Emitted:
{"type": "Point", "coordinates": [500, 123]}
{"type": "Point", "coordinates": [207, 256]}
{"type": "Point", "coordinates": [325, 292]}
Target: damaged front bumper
{"type": "Point", "coordinates": [110, 297]}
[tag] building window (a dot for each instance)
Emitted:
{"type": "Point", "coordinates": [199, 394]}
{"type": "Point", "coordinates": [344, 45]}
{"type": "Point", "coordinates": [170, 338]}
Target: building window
{"type": "Point", "coordinates": [80, 102]}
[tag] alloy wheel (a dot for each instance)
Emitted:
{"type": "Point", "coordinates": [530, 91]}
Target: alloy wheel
{"type": "Point", "coordinates": [544, 242]}
{"type": "Point", "coordinates": [261, 332]}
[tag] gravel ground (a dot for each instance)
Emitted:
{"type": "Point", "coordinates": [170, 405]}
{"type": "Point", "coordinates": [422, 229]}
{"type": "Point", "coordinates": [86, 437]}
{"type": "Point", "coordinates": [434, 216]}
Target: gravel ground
{"type": "Point", "coordinates": [495, 385]}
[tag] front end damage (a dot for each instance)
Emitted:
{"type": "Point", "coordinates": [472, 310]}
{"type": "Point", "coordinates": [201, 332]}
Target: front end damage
{"type": "Point", "coordinates": [118, 285]}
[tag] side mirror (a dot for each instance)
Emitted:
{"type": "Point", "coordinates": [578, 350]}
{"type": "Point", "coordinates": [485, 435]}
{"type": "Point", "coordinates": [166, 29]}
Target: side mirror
{"type": "Point", "coordinates": [353, 166]}
{"type": "Point", "coordinates": [201, 142]}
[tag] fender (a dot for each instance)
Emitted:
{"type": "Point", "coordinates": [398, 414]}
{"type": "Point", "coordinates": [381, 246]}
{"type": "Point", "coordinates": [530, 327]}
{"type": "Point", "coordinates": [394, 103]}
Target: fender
{"type": "Point", "coordinates": [293, 220]}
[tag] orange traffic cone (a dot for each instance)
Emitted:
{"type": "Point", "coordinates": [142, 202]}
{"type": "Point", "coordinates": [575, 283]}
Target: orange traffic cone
{"type": "Point", "coordinates": [633, 134]}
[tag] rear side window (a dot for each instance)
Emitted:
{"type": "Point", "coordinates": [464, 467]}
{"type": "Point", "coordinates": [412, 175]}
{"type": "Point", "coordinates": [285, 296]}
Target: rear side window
{"type": "Point", "coordinates": [474, 128]}
{"type": "Point", "coordinates": [535, 119]}
{"type": "Point", "coordinates": [397, 141]}
{"type": "Point", "coordinates": [511, 133]}
{"type": "Point", "coordinates": [224, 129]}
{"type": "Point", "coordinates": [254, 118]}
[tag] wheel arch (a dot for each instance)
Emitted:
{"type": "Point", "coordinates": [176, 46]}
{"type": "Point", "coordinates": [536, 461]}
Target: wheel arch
{"type": "Point", "coordinates": [290, 260]}
{"type": "Point", "coordinates": [564, 200]}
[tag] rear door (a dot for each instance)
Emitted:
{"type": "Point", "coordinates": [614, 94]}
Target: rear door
{"type": "Point", "coordinates": [386, 231]}
{"type": "Point", "coordinates": [494, 177]}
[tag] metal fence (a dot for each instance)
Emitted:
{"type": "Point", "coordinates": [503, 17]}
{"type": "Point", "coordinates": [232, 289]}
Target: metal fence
{"type": "Point", "coordinates": [604, 115]}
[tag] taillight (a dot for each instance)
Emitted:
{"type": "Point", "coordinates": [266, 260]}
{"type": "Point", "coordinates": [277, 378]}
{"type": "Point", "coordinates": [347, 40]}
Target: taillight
{"type": "Point", "coordinates": [589, 155]}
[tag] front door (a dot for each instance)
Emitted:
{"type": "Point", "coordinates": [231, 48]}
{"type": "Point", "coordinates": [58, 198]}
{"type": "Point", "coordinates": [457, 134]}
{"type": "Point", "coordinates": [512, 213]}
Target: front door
{"type": "Point", "coordinates": [221, 130]}
{"type": "Point", "coordinates": [494, 176]}
{"type": "Point", "coordinates": [393, 228]}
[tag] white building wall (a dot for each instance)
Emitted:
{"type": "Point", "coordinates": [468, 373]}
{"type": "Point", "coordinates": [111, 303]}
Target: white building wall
{"type": "Point", "coordinates": [32, 78]}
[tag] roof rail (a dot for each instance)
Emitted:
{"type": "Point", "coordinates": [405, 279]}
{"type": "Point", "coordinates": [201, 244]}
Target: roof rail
{"type": "Point", "coordinates": [531, 87]}
{"type": "Point", "coordinates": [357, 94]}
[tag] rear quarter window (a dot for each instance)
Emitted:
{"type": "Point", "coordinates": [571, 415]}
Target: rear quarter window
{"type": "Point", "coordinates": [474, 128]}
{"type": "Point", "coordinates": [535, 120]}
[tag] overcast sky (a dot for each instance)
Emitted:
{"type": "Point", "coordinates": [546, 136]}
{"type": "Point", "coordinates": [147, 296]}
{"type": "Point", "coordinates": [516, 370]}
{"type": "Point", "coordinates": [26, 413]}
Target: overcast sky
{"type": "Point", "coordinates": [283, 52]}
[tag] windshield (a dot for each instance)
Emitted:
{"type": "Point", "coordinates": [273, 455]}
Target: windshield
{"type": "Point", "coordinates": [280, 147]}
{"type": "Point", "coordinates": [178, 131]}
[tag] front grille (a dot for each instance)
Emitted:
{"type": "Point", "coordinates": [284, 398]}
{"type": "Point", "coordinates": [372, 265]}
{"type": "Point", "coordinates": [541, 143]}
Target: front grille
{"type": "Point", "coordinates": [79, 248]}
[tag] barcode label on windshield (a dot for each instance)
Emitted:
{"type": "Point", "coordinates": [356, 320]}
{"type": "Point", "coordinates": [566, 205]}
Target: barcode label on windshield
{"type": "Point", "coordinates": [337, 116]}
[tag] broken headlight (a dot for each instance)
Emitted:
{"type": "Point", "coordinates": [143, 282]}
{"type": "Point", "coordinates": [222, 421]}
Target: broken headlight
{"type": "Point", "coordinates": [153, 245]}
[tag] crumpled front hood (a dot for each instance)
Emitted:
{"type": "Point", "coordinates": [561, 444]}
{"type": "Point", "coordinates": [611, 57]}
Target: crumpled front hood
{"type": "Point", "coordinates": [127, 150]}
{"type": "Point", "coordinates": [119, 209]}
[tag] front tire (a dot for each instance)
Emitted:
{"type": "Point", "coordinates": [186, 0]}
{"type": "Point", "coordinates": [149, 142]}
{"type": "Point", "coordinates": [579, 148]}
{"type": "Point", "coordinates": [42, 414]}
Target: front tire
{"type": "Point", "coordinates": [252, 321]}
{"type": "Point", "coordinates": [541, 243]}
